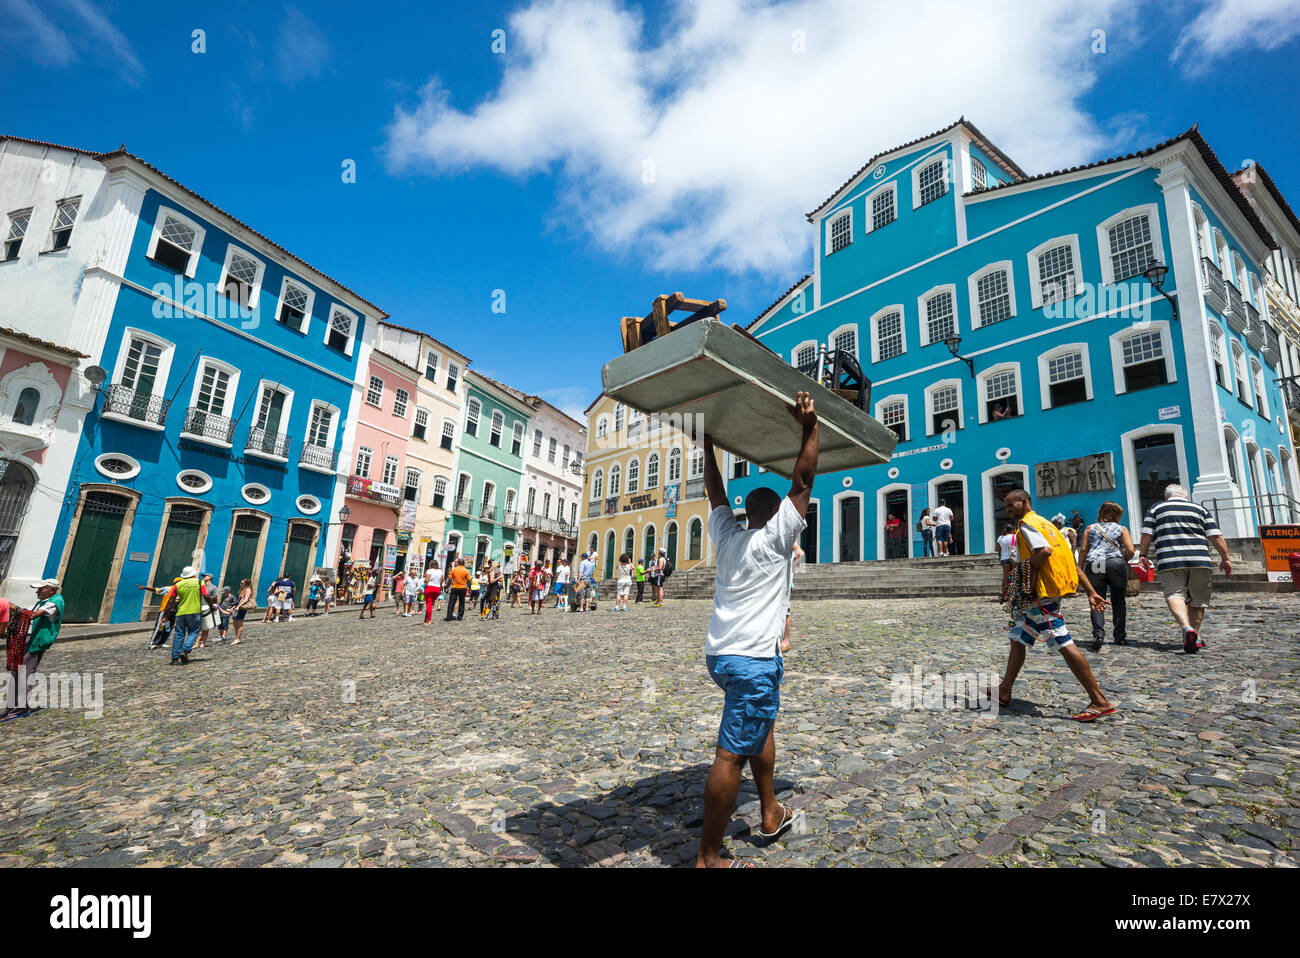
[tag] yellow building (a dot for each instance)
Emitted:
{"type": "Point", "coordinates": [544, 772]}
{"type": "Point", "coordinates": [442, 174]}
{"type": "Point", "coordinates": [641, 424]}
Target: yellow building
{"type": "Point", "coordinates": [643, 489]}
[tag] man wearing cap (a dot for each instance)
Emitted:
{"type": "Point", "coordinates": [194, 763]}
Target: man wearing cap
{"type": "Point", "coordinates": [189, 595]}
{"type": "Point", "coordinates": [47, 619]}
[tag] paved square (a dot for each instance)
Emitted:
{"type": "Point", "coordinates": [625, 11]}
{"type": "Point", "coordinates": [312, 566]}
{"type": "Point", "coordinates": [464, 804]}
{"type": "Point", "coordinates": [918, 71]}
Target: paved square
{"type": "Point", "coordinates": [577, 739]}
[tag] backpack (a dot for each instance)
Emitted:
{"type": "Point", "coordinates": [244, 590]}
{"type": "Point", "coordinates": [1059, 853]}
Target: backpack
{"type": "Point", "coordinates": [668, 568]}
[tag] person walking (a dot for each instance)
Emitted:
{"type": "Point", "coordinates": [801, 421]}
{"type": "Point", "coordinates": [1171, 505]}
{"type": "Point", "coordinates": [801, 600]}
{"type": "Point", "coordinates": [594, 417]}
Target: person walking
{"type": "Point", "coordinates": [658, 575]}
{"type": "Point", "coordinates": [475, 584]}
{"type": "Point", "coordinates": [190, 598]}
{"type": "Point", "coordinates": [412, 587]}
{"type": "Point", "coordinates": [432, 590]}
{"type": "Point", "coordinates": [623, 588]}
{"type": "Point", "coordinates": [942, 527]}
{"type": "Point", "coordinates": [537, 582]}
{"type": "Point", "coordinates": [166, 619]}
{"type": "Point", "coordinates": [245, 603]}
{"type": "Point", "coordinates": [371, 588]}
{"type": "Point", "coordinates": [327, 596]}
{"type": "Point", "coordinates": [640, 580]}
{"type": "Point", "coordinates": [561, 585]}
{"type": "Point", "coordinates": [516, 587]}
{"type": "Point", "coordinates": [1104, 551]}
{"type": "Point", "coordinates": [399, 593]}
{"type": "Point", "coordinates": [1047, 573]}
{"type": "Point", "coordinates": [742, 648]}
{"type": "Point", "coordinates": [1179, 529]}
{"type": "Point", "coordinates": [926, 527]}
{"type": "Point", "coordinates": [1071, 536]}
{"type": "Point", "coordinates": [209, 616]}
{"type": "Point", "coordinates": [586, 580]}
{"type": "Point", "coordinates": [225, 609]}
{"type": "Point", "coordinates": [46, 622]}
{"type": "Point", "coordinates": [458, 580]}
{"type": "Point", "coordinates": [1008, 557]}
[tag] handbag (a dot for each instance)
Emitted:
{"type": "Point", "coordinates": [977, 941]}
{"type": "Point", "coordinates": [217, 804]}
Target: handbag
{"type": "Point", "coordinates": [1134, 585]}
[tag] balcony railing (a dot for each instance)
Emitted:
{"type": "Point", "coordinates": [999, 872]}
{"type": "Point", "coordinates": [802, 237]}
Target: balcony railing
{"type": "Point", "coordinates": [208, 425]}
{"type": "Point", "coordinates": [1291, 396]}
{"type": "Point", "coordinates": [695, 489]}
{"type": "Point", "coordinates": [593, 509]}
{"type": "Point", "coordinates": [136, 404]}
{"type": "Point", "coordinates": [634, 428]}
{"type": "Point", "coordinates": [1272, 350]}
{"type": "Point", "coordinates": [264, 443]}
{"type": "Point", "coordinates": [463, 505]}
{"type": "Point", "coordinates": [488, 512]}
{"type": "Point", "coordinates": [1212, 286]}
{"type": "Point", "coordinates": [511, 518]}
{"type": "Point", "coordinates": [318, 457]}
{"type": "Point", "coordinates": [361, 488]}
{"type": "Point", "coordinates": [1254, 327]}
{"type": "Point", "coordinates": [1236, 308]}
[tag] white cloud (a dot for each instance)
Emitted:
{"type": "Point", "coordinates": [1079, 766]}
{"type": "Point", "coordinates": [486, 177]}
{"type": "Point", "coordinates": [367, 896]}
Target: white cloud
{"type": "Point", "coordinates": [570, 400]}
{"type": "Point", "coordinates": [301, 49]}
{"type": "Point", "coordinates": [742, 133]}
{"type": "Point", "coordinates": [30, 30]}
{"type": "Point", "coordinates": [41, 33]}
{"type": "Point", "coordinates": [1225, 27]}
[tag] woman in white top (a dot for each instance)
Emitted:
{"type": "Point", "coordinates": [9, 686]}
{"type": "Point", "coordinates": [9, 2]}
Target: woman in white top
{"type": "Point", "coordinates": [1009, 555]}
{"type": "Point", "coordinates": [1104, 552]}
{"type": "Point", "coordinates": [926, 526]}
{"type": "Point", "coordinates": [624, 582]}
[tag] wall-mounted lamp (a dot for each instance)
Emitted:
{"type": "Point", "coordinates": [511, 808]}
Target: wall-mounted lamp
{"type": "Point", "coordinates": [954, 343]}
{"type": "Point", "coordinates": [1155, 274]}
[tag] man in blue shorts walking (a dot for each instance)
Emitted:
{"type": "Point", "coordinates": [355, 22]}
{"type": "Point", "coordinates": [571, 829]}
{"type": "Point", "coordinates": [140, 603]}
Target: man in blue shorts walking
{"type": "Point", "coordinates": [742, 650]}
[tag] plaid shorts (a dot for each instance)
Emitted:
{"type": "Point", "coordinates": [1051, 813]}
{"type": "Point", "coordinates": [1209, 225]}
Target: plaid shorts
{"type": "Point", "coordinates": [1041, 619]}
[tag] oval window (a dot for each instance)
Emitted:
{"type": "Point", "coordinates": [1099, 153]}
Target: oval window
{"type": "Point", "coordinates": [308, 505]}
{"type": "Point", "coordinates": [117, 465]}
{"type": "Point", "coordinates": [191, 480]}
{"type": "Point", "coordinates": [256, 493]}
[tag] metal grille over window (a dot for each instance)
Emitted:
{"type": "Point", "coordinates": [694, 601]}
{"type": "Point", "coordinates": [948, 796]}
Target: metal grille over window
{"type": "Point", "coordinates": [17, 230]}
{"type": "Point", "coordinates": [805, 361]}
{"type": "Point", "coordinates": [1142, 348]}
{"type": "Point", "coordinates": [175, 243]}
{"type": "Point", "coordinates": [932, 182]}
{"type": "Point", "coordinates": [882, 209]}
{"type": "Point", "coordinates": [890, 333]}
{"type": "Point", "coordinates": [117, 467]}
{"type": "Point", "coordinates": [340, 330]}
{"type": "Point", "coordinates": [939, 317]}
{"type": "Point", "coordinates": [1056, 274]}
{"type": "Point", "coordinates": [1130, 247]}
{"type": "Point", "coordinates": [195, 481]}
{"type": "Point", "coordinates": [994, 297]}
{"type": "Point", "coordinates": [841, 233]}
{"type": "Point", "coordinates": [295, 305]}
{"type": "Point", "coordinates": [847, 341]}
{"type": "Point", "coordinates": [240, 278]}
{"type": "Point", "coordinates": [64, 219]}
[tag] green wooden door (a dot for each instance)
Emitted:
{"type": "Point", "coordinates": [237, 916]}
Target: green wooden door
{"type": "Point", "coordinates": [297, 554]}
{"type": "Point", "coordinates": [649, 544]}
{"type": "Point", "coordinates": [670, 544]}
{"type": "Point", "coordinates": [242, 556]}
{"type": "Point", "coordinates": [86, 577]}
{"type": "Point", "coordinates": [180, 539]}
{"type": "Point", "coordinates": [609, 555]}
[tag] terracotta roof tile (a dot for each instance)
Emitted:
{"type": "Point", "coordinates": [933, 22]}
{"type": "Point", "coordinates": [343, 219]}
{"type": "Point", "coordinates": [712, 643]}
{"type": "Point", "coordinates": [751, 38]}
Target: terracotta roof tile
{"type": "Point", "coordinates": [24, 337]}
{"type": "Point", "coordinates": [797, 284]}
{"type": "Point", "coordinates": [421, 332]}
{"type": "Point", "coordinates": [1277, 194]}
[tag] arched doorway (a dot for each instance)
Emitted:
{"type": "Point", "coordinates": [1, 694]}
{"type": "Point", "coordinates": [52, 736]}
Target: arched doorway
{"type": "Point", "coordinates": [609, 555]}
{"type": "Point", "coordinates": [178, 545]}
{"type": "Point", "coordinates": [299, 550]}
{"type": "Point", "coordinates": [896, 504]}
{"type": "Point", "coordinates": [848, 510]}
{"type": "Point", "coordinates": [999, 484]}
{"type": "Point", "coordinates": [670, 543]}
{"type": "Point", "coordinates": [16, 484]}
{"type": "Point", "coordinates": [648, 545]}
{"type": "Point", "coordinates": [244, 553]}
{"type": "Point", "coordinates": [92, 556]}
{"type": "Point", "coordinates": [808, 538]}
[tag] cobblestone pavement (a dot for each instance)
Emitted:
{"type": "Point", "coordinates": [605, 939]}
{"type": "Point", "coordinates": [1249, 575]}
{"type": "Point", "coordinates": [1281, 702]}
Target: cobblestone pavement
{"type": "Point", "coordinates": [584, 739]}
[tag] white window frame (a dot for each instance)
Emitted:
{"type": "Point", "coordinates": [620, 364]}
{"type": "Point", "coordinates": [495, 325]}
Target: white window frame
{"type": "Point", "coordinates": [392, 466]}
{"type": "Point", "coordinates": [156, 235]}
{"type": "Point", "coordinates": [794, 353]}
{"type": "Point", "coordinates": [890, 187]}
{"type": "Point", "coordinates": [443, 434]}
{"type": "Point", "coordinates": [256, 407]}
{"type": "Point", "coordinates": [653, 457]}
{"type": "Point", "coordinates": [229, 370]}
{"type": "Point", "coordinates": [831, 220]}
{"type": "Point", "coordinates": [923, 301]}
{"type": "Point", "coordinates": [402, 397]}
{"type": "Point", "coordinates": [874, 325]}
{"type": "Point", "coordinates": [1238, 352]}
{"type": "Point", "coordinates": [925, 164]}
{"type": "Point", "coordinates": [370, 388]}
{"type": "Point", "coordinates": [59, 205]}
{"type": "Point", "coordinates": [602, 427]}
{"type": "Point", "coordinates": [884, 401]}
{"type": "Point", "coordinates": [1166, 347]}
{"type": "Point", "coordinates": [633, 474]}
{"type": "Point", "coordinates": [471, 406]}
{"type": "Point", "coordinates": [497, 426]}
{"type": "Point", "coordinates": [597, 485]}
{"type": "Point", "coordinates": [857, 339]}
{"type": "Point", "coordinates": [929, 404]}
{"type": "Point", "coordinates": [1152, 214]}
{"type": "Point", "coordinates": [1222, 253]}
{"type": "Point", "coordinates": [1258, 379]}
{"type": "Point", "coordinates": [352, 330]}
{"type": "Point", "coordinates": [415, 423]}
{"type": "Point", "coordinates": [1035, 283]}
{"type": "Point", "coordinates": [255, 296]}
{"type": "Point", "coordinates": [972, 288]}
{"type": "Point", "coordinates": [674, 456]}
{"type": "Point", "coordinates": [307, 308]}
{"type": "Point", "coordinates": [1044, 385]}
{"type": "Point", "coordinates": [981, 389]}
{"type": "Point", "coordinates": [452, 379]}
{"type": "Point", "coordinates": [517, 436]}
{"type": "Point", "coordinates": [615, 480]}
{"type": "Point", "coordinates": [369, 453]}
{"type": "Point", "coordinates": [164, 367]}
{"type": "Point", "coordinates": [436, 364]}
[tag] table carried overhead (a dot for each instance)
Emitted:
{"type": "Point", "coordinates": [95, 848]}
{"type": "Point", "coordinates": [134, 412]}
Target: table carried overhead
{"type": "Point", "coordinates": [699, 375]}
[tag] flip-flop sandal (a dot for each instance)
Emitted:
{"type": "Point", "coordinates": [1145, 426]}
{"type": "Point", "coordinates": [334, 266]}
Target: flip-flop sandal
{"type": "Point", "coordinates": [988, 694]}
{"type": "Point", "coordinates": [787, 819]}
{"type": "Point", "coordinates": [1092, 713]}
{"type": "Point", "coordinates": [741, 863]}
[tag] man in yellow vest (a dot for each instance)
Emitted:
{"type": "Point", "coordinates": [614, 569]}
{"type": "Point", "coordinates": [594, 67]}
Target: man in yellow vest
{"type": "Point", "coordinates": [1049, 562]}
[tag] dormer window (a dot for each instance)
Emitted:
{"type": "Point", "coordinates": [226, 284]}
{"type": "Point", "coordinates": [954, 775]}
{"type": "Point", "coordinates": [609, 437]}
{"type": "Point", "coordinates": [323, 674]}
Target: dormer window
{"type": "Point", "coordinates": [841, 231]}
{"type": "Point", "coordinates": [978, 175]}
{"type": "Point", "coordinates": [884, 207]}
{"type": "Point", "coordinates": [931, 183]}
{"type": "Point", "coordinates": [65, 217]}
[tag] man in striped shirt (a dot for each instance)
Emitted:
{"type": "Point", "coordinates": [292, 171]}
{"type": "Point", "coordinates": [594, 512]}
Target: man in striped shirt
{"type": "Point", "coordinates": [1179, 528]}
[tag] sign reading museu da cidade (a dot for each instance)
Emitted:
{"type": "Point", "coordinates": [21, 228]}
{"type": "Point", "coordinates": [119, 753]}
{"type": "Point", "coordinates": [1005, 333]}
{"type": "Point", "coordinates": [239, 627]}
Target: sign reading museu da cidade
{"type": "Point", "coordinates": [1063, 477]}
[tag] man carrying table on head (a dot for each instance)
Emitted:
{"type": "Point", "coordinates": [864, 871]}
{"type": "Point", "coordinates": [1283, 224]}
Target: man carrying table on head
{"type": "Point", "coordinates": [743, 646]}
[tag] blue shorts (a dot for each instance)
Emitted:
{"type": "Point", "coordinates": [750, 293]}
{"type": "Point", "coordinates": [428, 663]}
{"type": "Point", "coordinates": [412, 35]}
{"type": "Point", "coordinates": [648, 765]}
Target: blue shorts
{"type": "Point", "coordinates": [1042, 619]}
{"type": "Point", "coordinates": [943, 533]}
{"type": "Point", "coordinates": [753, 688]}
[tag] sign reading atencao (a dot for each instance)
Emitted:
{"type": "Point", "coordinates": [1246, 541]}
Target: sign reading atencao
{"type": "Point", "coordinates": [1279, 542]}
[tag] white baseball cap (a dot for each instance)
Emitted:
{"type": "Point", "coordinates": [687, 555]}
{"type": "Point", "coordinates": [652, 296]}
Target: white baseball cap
{"type": "Point", "coordinates": [52, 583]}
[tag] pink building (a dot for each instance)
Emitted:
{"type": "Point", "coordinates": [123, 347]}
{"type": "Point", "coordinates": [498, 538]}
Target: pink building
{"type": "Point", "coordinates": [378, 527]}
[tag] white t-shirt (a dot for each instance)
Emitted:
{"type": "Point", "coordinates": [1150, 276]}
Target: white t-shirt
{"type": "Point", "coordinates": [562, 575]}
{"type": "Point", "coordinates": [1006, 545]}
{"type": "Point", "coordinates": [942, 516]}
{"type": "Point", "coordinates": [433, 578]}
{"type": "Point", "coordinates": [752, 591]}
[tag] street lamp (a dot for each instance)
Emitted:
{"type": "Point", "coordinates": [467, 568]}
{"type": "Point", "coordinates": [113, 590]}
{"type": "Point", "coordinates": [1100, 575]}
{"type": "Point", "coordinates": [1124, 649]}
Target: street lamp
{"type": "Point", "coordinates": [954, 343]}
{"type": "Point", "coordinates": [1155, 274]}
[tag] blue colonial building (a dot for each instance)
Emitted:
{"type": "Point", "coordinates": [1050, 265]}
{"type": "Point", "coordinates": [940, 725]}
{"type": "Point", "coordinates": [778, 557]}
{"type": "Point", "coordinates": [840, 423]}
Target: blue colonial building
{"type": "Point", "coordinates": [229, 387]}
{"type": "Point", "coordinates": [1014, 338]}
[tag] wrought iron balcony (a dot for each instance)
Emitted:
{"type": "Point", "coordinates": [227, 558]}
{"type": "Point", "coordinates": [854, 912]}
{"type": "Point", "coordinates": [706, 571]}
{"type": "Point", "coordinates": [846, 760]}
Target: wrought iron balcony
{"type": "Point", "coordinates": [371, 491]}
{"type": "Point", "coordinates": [634, 428]}
{"type": "Point", "coordinates": [1236, 308]}
{"type": "Point", "coordinates": [202, 424]}
{"type": "Point", "coordinates": [136, 404]}
{"type": "Point", "coordinates": [463, 505]}
{"type": "Point", "coordinates": [264, 443]}
{"type": "Point", "coordinates": [1212, 286]}
{"type": "Point", "coordinates": [1291, 396]}
{"type": "Point", "coordinates": [1254, 327]}
{"type": "Point", "coordinates": [593, 509]}
{"type": "Point", "coordinates": [1272, 349]}
{"type": "Point", "coordinates": [318, 457]}
{"type": "Point", "coordinates": [566, 531]}
{"type": "Point", "coordinates": [511, 518]}
{"type": "Point", "coordinates": [695, 489]}
{"type": "Point", "coordinates": [488, 511]}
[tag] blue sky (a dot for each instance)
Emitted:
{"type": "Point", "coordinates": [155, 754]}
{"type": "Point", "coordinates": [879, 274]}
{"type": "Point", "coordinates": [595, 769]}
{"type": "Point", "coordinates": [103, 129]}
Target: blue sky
{"type": "Point", "coordinates": [611, 151]}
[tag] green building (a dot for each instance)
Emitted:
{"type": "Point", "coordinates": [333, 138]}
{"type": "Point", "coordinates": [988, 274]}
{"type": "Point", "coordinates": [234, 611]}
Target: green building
{"type": "Point", "coordinates": [484, 521]}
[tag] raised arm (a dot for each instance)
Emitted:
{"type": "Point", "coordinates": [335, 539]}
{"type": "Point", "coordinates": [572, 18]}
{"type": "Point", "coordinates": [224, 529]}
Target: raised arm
{"type": "Point", "coordinates": [713, 483]}
{"type": "Point", "coordinates": [805, 467]}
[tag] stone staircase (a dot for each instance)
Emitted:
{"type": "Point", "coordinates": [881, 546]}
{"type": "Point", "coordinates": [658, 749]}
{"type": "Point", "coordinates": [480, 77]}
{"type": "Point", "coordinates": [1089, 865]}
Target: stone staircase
{"type": "Point", "coordinates": [924, 578]}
